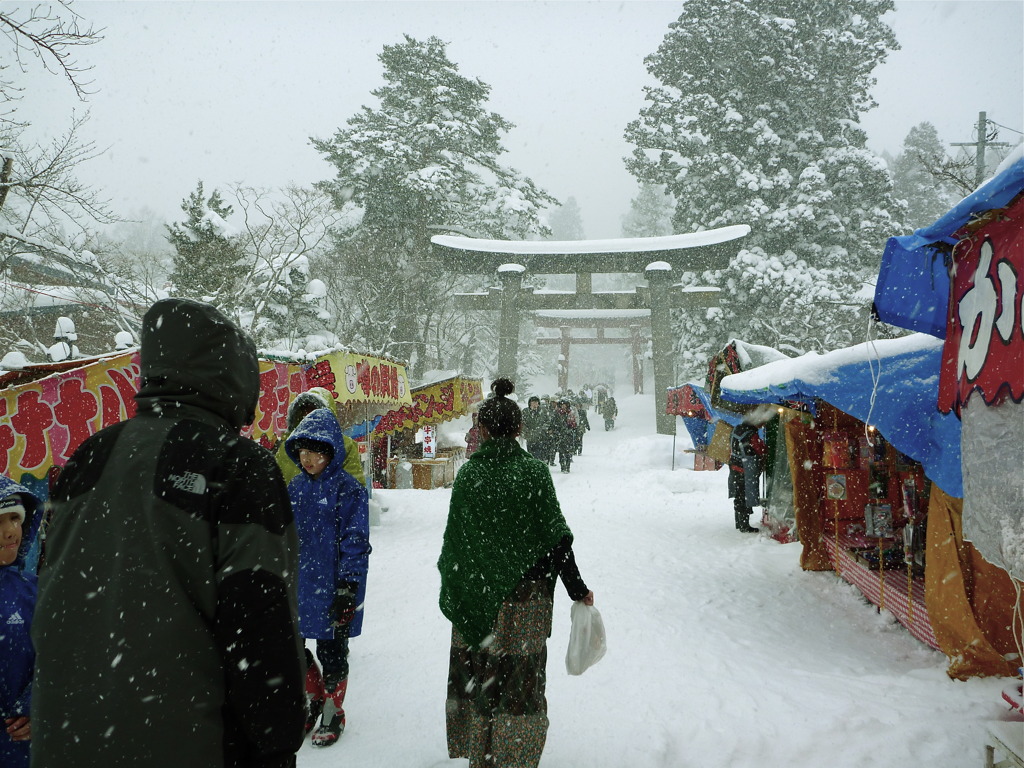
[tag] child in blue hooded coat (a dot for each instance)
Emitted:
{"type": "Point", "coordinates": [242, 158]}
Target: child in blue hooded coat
{"type": "Point", "coordinates": [18, 509]}
{"type": "Point", "coordinates": [332, 518]}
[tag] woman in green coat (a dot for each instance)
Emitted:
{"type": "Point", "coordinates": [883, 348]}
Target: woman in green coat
{"type": "Point", "coordinates": [505, 543]}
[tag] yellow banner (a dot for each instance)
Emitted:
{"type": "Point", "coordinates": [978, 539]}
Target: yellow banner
{"type": "Point", "coordinates": [433, 404]}
{"type": "Point", "coordinates": [42, 422]}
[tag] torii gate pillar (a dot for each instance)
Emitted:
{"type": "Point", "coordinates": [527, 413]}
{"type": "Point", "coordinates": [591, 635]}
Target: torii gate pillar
{"type": "Point", "coordinates": [511, 276]}
{"type": "Point", "coordinates": [659, 278]}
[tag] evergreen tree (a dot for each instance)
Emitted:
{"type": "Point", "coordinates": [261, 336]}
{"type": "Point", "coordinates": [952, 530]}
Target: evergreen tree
{"type": "Point", "coordinates": [926, 195]}
{"type": "Point", "coordinates": [425, 161]}
{"type": "Point", "coordinates": [566, 222]}
{"type": "Point", "coordinates": [755, 121]}
{"type": "Point", "coordinates": [206, 258]}
{"type": "Point", "coordinates": [650, 213]}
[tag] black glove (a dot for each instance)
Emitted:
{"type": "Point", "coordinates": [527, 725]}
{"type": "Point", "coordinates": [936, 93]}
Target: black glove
{"type": "Point", "coordinates": [343, 609]}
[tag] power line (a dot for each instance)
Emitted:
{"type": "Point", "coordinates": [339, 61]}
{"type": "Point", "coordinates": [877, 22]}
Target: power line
{"type": "Point", "coordinates": [1006, 127]}
{"type": "Point", "coordinates": [980, 145]}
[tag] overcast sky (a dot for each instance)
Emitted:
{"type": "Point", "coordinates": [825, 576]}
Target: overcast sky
{"type": "Point", "coordinates": [232, 91]}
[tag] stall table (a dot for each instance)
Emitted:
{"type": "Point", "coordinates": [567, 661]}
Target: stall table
{"type": "Point", "coordinates": [430, 473]}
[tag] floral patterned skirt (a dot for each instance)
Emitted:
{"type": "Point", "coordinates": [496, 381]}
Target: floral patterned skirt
{"type": "Point", "coordinates": [496, 712]}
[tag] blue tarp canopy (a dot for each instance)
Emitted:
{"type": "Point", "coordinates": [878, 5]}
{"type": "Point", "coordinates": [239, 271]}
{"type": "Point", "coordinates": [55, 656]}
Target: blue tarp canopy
{"type": "Point", "coordinates": [701, 430]}
{"type": "Point", "coordinates": [891, 384]}
{"type": "Point", "coordinates": [913, 281]}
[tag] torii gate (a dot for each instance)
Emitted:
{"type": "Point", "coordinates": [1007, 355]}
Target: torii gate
{"type": "Point", "coordinates": [632, 320]}
{"type": "Point", "coordinates": [697, 251]}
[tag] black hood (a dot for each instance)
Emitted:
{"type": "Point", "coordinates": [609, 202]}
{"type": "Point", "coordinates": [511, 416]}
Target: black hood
{"type": "Point", "coordinates": [192, 354]}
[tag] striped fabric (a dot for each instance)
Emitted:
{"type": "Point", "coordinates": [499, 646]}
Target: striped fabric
{"type": "Point", "coordinates": [889, 587]}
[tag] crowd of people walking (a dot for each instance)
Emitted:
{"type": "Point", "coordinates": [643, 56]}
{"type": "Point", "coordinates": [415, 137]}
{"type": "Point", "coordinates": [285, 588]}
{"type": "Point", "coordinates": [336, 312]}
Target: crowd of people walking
{"type": "Point", "coordinates": [555, 426]}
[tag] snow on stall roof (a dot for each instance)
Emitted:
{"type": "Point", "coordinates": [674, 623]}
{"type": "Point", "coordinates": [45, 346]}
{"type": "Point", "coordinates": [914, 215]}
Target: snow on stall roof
{"type": "Point", "coordinates": [755, 355]}
{"type": "Point", "coordinates": [436, 376]}
{"type": "Point", "coordinates": [617, 245]}
{"type": "Point", "coordinates": [815, 368]}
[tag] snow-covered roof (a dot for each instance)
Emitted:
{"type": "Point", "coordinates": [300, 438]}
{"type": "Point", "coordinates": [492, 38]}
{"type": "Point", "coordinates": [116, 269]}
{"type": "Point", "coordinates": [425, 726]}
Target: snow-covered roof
{"type": "Point", "coordinates": [617, 245]}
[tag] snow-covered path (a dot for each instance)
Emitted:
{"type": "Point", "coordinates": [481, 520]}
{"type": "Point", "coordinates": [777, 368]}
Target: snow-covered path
{"type": "Point", "coordinates": [722, 652]}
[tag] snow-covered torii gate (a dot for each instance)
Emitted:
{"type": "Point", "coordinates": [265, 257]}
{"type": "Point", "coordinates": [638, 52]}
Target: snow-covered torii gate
{"type": "Point", "coordinates": [599, 320]}
{"type": "Point", "coordinates": [694, 252]}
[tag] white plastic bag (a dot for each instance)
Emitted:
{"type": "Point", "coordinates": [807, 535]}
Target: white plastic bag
{"type": "Point", "coordinates": [587, 643]}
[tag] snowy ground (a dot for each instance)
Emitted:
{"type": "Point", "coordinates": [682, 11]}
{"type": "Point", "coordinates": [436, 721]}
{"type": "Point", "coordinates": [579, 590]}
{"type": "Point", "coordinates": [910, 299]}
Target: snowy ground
{"type": "Point", "coordinates": [722, 652]}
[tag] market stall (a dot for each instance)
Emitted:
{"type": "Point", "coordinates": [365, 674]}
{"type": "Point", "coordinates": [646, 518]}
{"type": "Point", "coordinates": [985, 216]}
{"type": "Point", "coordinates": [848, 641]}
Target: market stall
{"type": "Point", "coordinates": [876, 470]}
{"type": "Point", "coordinates": [961, 279]}
{"type": "Point", "coordinates": [432, 404]}
{"type": "Point", "coordinates": [778, 512]}
{"type": "Point", "coordinates": [45, 419]}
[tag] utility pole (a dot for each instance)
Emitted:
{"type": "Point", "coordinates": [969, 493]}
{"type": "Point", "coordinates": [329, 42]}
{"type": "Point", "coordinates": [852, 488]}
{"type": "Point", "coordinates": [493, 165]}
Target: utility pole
{"type": "Point", "coordinates": [979, 145]}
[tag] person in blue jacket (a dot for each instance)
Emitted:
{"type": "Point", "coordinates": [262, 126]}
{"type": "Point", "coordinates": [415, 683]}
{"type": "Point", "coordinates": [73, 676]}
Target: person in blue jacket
{"type": "Point", "coordinates": [332, 517]}
{"type": "Point", "coordinates": [18, 509]}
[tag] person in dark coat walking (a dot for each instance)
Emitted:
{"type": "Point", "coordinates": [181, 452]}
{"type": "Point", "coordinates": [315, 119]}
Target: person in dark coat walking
{"type": "Point", "coordinates": [582, 427]}
{"type": "Point", "coordinates": [563, 430]}
{"type": "Point", "coordinates": [610, 411]}
{"type": "Point", "coordinates": [332, 516]}
{"type": "Point", "coordinates": [746, 452]}
{"type": "Point", "coordinates": [535, 429]}
{"type": "Point", "coordinates": [166, 632]}
{"type": "Point", "coordinates": [18, 511]}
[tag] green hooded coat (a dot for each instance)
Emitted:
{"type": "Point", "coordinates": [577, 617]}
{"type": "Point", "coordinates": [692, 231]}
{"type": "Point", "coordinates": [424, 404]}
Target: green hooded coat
{"type": "Point", "coordinates": [504, 517]}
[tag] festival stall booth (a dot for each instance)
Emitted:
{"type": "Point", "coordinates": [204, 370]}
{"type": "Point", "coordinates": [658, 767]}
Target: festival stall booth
{"type": "Point", "coordinates": [47, 411]}
{"type": "Point", "coordinates": [874, 465]}
{"type": "Point", "coordinates": [961, 279]}
{"type": "Point", "coordinates": [425, 464]}
{"type": "Point", "coordinates": [692, 403]}
{"type": "Point", "coordinates": [778, 512]}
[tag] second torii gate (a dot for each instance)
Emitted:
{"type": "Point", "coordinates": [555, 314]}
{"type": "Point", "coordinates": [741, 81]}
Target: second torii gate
{"type": "Point", "coordinates": [632, 320]}
{"type": "Point", "coordinates": [697, 251]}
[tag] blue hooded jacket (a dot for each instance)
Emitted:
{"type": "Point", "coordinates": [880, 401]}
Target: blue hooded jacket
{"type": "Point", "coordinates": [17, 606]}
{"type": "Point", "coordinates": [332, 515]}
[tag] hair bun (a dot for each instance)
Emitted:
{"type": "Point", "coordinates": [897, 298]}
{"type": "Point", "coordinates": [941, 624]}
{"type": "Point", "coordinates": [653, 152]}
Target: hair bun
{"type": "Point", "coordinates": [502, 387]}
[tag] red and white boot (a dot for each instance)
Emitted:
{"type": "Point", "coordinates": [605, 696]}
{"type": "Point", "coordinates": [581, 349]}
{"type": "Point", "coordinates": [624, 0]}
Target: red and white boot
{"type": "Point", "coordinates": [333, 724]}
{"type": "Point", "coordinates": [316, 695]}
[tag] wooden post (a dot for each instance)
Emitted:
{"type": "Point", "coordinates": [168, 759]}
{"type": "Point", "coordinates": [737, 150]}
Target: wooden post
{"type": "Point", "coordinates": [659, 278]}
{"type": "Point", "coordinates": [563, 359]}
{"type": "Point", "coordinates": [511, 276]}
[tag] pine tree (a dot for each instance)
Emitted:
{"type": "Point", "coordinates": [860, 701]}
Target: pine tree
{"type": "Point", "coordinates": [927, 194]}
{"type": "Point", "coordinates": [566, 222]}
{"type": "Point", "coordinates": [206, 258]}
{"type": "Point", "coordinates": [425, 161]}
{"type": "Point", "coordinates": [650, 213]}
{"type": "Point", "coordinates": [755, 121]}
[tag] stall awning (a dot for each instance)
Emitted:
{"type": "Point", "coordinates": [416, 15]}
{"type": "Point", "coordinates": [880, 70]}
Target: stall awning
{"type": "Point", "coordinates": [43, 421]}
{"type": "Point", "coordinates": [891, 384]}
{"type": "Point", "coordinates": [432, 404]}
{"type": "Point", "coordinates": [913, 281]}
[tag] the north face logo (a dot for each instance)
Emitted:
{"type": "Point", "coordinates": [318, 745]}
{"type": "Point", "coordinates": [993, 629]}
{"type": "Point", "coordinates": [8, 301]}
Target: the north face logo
{"type": "Point", "coordinates": [190, 482]}
{"type": "Point", "coordinates": [15, 619]}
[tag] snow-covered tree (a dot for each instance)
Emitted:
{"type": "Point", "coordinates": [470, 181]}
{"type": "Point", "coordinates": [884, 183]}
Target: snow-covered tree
{"type": "Point", "coordinates": [426, 160]}
{"type": "Point", "coordinates": [283, 234]}
{"type": "Point", "coordinates": [927, 194]}
{"type": "Point", "coordinates": [755, 121]}
{"type": "Point", "coordinates": [207, 256]}
{"type": "Point", "coordinates": [650, 213]}
{"type": "Point", "coordinates": [566, 222]}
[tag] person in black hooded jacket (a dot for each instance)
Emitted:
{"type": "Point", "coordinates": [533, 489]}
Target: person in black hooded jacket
{"type": "Point", "coordinates": [166, 630]}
